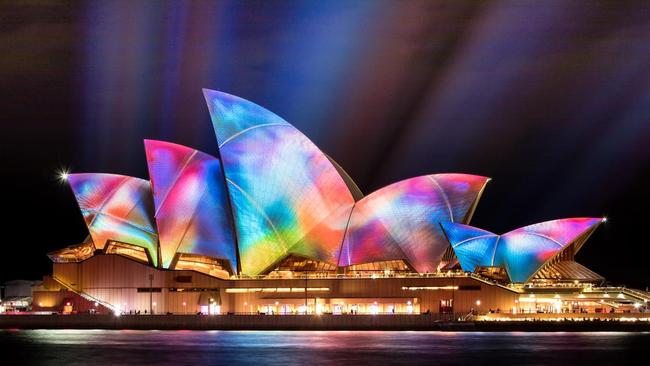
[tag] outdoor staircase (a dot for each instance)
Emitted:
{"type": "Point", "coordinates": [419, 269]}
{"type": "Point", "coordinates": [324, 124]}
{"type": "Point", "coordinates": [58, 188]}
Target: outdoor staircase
{"type": "Point", "coordinates": [86, 296]}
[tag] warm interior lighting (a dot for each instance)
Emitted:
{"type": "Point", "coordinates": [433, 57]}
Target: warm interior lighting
{"type": "Point", "coordinates": [241, 290]}
{"type": "Point", "coordinates": [418, 288]}
{"type": "Point", "coordinates": [317, 289]}
{"type": "Point", "coordinates": [212, 266]}
{"type": "Point", "coordinates": [73, 253]}
{"type": "Point", "coordinates": [128, 250]}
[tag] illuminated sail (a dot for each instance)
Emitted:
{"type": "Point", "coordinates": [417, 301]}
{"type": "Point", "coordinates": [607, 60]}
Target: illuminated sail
{"type": "Point", "coordinates": [117, 207]}
{"type": "Point", "coordinates": [191, 203]}
{"type": "Point", "coordinates": [286, 195]}
{"type": "Point", "coordinates": [401, 221]}
{"type": "Point", "coordinates": [523, 251]}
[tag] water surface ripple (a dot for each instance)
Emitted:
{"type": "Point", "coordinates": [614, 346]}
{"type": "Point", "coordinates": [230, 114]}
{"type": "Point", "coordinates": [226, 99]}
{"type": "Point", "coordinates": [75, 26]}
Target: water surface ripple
{"type": "Point", "coordinates": [174, 348]}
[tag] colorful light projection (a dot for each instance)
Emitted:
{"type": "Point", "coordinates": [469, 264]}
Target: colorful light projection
{"type": "Point", "coordinates": [473, 247]}
{"type": "Point", "coordinates": [117, 207]}
{"type": "Point", "coordinates": [287, 197]}
{"type": "Point", "coordinates": [401, 221]}
{"type": "Point", "coordinates": [523, 251]}
{"type": "Point", "coordinates": [191, 203]}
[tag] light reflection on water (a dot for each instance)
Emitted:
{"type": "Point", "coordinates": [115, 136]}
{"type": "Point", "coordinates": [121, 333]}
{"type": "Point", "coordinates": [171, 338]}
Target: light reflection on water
{"type": "Point", "coordinates": [161, 348]}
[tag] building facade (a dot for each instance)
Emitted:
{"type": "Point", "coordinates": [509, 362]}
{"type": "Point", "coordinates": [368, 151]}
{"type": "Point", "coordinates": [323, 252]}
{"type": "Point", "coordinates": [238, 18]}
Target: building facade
{"type": "Point", "coordinates": [276, 226]}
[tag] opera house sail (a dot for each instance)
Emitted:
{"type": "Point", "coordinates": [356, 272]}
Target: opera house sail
{"type": "Point", "coordinates": [287, 197]}
{"type": "Point", "coordinates": [401, 221]}
{"type": "Point", "coordinates": [269, 223]}
{"type": "Point", "coordinates": [521, 252]}
{"type": "Point", "coordinates": [117, 209]}
{"type": "Point", "coordinates": [191, 206]}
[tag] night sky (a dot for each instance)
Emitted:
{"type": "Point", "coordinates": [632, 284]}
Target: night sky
{"type": "Point", "coordinates": [551, 99]}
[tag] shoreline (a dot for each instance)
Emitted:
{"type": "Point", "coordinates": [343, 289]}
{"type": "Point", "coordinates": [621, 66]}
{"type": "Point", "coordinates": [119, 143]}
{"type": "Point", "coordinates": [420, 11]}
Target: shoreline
{"type": "Point", "coordinates": [308, 322]}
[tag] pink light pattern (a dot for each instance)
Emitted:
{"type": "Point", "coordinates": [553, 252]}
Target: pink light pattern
{"type": "Point", "coordinates": [522, 251]}
{"type": "Point", "coordinates": [191, 203]}
{"type": "Point", "coordinates": [401, 221]}
{"type": "Point", "coordinates": [287, 197]}
{"type": "Point", "coordinates": [116, 207]}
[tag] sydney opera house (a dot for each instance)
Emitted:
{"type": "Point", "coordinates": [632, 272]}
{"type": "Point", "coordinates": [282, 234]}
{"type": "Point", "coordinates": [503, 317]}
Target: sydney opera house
{"type": "Point", "coordinates": [273, 225]}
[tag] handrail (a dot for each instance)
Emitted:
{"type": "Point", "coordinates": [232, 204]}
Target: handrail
{"type": "Point", "coordinates": [328, 276]}
{"type": "Point", "coordinates": [642, 295]}
{"type": "Point", "coordinates": [391, 274]}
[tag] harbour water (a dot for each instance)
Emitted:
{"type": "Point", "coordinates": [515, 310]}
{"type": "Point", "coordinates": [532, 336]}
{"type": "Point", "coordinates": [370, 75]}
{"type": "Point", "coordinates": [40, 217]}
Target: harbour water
{"type": "Point", "coordinates": [161, 348]}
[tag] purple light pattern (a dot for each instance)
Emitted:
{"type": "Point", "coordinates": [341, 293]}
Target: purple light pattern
{"type": "Point", "coordinates": [191, 203]}
{"type": "Point", "coordinates": [116, 207]}
{"type": "Point", "coordinates": [287, 196]}
{"type": "Point", "coordinates": [522, 251]}
{"type": "Point", "coordinates": [401, 221]}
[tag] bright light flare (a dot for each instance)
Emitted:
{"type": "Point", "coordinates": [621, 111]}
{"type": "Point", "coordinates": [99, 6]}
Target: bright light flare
{"type": "Point", "coordinates": [63, 175]}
